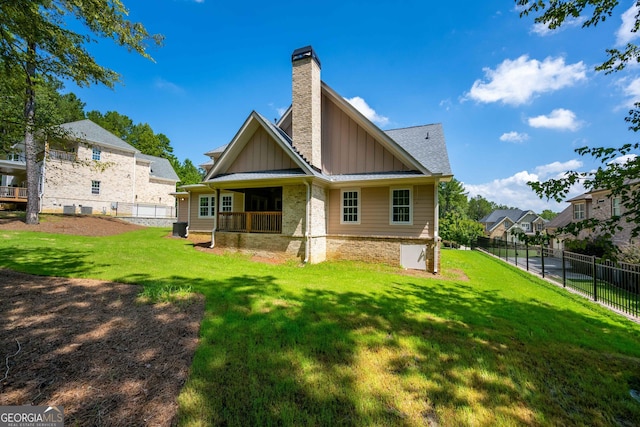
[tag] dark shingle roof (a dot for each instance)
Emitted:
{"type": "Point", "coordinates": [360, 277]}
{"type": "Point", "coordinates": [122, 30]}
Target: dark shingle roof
{"type": "Point", "coordinates": [160, 167]}
{"type": "Point", "coordinates": [498, 214]}
{"type": "Point", "coordinates": [562, 219]}
{"type": "Point", "coordinates": [426, 144]}
{"type": "Point", "coordinates": [91, 132]}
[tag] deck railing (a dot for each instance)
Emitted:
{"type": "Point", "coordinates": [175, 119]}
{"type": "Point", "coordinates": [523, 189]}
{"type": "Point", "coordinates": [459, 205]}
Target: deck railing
{"type": "Point", "coordinates": [18, 194]}
{"type": "Point", "coordinates": [250, 222]}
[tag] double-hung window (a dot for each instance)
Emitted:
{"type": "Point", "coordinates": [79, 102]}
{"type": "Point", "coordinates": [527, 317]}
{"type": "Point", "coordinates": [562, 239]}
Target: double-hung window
{"type": "Point", "coordinates": [350, 206]}
{"type": "Point", "coordinates": [95, 155]}
{"type": "Point", "coordinates": [207, 206]}
{"type": "Point", "coordinates": [95, 187]}
{"type": "Point", "coordinates": [401, 211]}
{"type": "Point", "coordinates": [579, 211]}
{"type": "Point", "coordinates": [226, 203]}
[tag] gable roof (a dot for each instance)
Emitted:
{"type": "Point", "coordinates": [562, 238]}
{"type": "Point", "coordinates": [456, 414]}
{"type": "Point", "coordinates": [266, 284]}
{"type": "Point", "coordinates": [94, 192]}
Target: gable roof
{"type": "Point", "coordinates": [562, 219]}
{"type": "Point", "coordinates": [160, 167]}
{"type": "Point", "coordinates": [495, 216]}
{"type": "Point", "coordinates": [87, 130]}
{"type": "Point", "coordinates": [426, 144]}
{"type": "Point", "coordinates": [241, 138]}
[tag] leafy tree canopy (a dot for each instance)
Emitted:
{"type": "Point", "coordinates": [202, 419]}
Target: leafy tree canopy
{"type": "Point", "coordinates": [619, 170]}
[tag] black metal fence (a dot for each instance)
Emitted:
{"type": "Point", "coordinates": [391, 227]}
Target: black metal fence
{"type": "Point", "coordinates": [616, 285]}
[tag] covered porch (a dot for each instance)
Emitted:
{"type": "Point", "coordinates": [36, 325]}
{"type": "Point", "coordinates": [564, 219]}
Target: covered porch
{"type": "Point", "coordinates": [250, 210]}
{"type": "Point", "coordinates": [13, 174]}
{"type": "Point", "coordinates": [13, 194]}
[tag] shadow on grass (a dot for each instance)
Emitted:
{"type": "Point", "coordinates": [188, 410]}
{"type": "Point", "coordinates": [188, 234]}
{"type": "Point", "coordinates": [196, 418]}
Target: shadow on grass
{"type": "Point", "coordinates": [47, 261]}
{"type": "Point", "coordinates": [416, 354]}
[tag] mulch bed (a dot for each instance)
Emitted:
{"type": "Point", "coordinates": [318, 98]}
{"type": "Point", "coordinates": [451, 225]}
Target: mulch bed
{"type": "Point", "coordinates": [90, 345]}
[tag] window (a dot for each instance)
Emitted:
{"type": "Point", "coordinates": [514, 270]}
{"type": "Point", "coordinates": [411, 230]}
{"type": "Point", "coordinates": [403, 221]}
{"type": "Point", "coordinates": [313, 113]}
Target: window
{"type": "Point", "coordinates": [226, 203]}
{"type": "Point", "coordinates": [615, 206]}
{"type": "Point", "coordinates": [207, 204]}
{"type": "Point", "coordinates": [350, 207]}
{"type": "Point", "coordinates": [578, 211]}
{"type": "Point", "coordinates": [539, 226]}
{"type": "Point", "coordinates": [95, 187]}
{"type": "Point", "coordinates": [96, 154]}
{"type": "Point", "coordinates": [401, 206]}
{"type": "Point", "coordinates": [526, 226]}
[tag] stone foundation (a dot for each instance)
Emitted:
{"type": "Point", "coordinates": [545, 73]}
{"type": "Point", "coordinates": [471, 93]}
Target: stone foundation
{"type": "Point", "coordinates": [262, 244]}
{"type": "Point", "coordinates": [375, 249]}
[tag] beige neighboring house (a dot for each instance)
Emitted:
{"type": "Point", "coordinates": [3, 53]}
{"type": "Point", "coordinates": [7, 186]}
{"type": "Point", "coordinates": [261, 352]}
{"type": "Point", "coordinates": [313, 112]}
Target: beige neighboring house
{"type": "Point", "coordinates": [503, 223]}
{"type": "Point", "coordinates": [594, 204]}
{"type": "Point", "coordinates": [323, 182]}
{"type": "Point", "coordinates": [93, 172]}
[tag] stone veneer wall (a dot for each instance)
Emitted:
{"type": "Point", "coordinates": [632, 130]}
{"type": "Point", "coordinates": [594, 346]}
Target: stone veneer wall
{"type": "Point", "coordinates": [262, 244]}
{"type": "Point", "coordinates": [318, 241]}
{"type": "Point", "coordinates": [375, 249]}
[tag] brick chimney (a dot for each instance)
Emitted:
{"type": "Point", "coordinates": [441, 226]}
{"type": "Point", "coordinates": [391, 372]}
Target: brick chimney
{"type": "Point", "coordinates": [306, 114]}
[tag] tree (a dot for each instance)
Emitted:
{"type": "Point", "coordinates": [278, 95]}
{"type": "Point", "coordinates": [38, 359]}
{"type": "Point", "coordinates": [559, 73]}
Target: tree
{"type": "Point", "coordinates": [452, 198]}
{"type": "Point", "coordinates": [621, 178]}
{"type": "Point", "coordinates": [548, 214]}
{"type": "Point", "coordinates": [479, 207]}
{"type": "Point", "coordinates": [456, 228]}
{"type": "Point", "coordinates": [189, 174]}
{"type": "Point", "coordinates": [36, 44]}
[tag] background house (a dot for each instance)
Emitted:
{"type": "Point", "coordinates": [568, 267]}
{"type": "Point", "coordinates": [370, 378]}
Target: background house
{"type": "Point", "coordinates": [503, 223]}
{"type": "Point", "coordinates": [596, 204]}
{"type": "Point", "coordinates": [323, 182]}
{"type": "Point", "coordinates": [93, 171]}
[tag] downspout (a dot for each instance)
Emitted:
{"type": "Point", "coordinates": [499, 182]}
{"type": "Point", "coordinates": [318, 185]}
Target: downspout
{"type": "Point", "coordinates": [307, 225]}
{"type": "Point", "coordinates": [133, 193]}
{"type": "Point", "coordinates": [436, 226]}
{"type": "Point", "coordinates": [215, 218]}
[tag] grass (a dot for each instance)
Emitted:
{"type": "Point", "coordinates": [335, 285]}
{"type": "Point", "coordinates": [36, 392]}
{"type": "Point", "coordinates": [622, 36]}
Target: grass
{"type": "Point", "coordinates": [356, 344]}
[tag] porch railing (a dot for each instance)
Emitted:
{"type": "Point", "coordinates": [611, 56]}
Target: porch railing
{"type": "Point", "coordinates": [250, 222]}
{"type": "Point", "coordinates": [67, 156]}
{"type": "Point", "coordinates": [18, 194]}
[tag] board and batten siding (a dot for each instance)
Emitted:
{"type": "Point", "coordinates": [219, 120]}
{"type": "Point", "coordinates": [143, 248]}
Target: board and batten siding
{"type": "Point", "coordinates": [261, 153]}
{"type": "Point", "coordinates": [375, 214]}
{"type": "Point", "coordinates": [348, 148]}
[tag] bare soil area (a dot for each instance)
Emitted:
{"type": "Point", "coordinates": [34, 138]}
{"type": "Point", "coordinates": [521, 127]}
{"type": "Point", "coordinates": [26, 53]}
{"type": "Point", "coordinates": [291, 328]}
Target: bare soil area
{"type": "Point", "coordinates": [82, 225]}
{"type": "Point", "coordinates": [89, 345]}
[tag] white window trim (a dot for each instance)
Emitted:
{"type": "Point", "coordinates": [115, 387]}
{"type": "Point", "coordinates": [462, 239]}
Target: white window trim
{"type": "Point", "coordinates": [212, 206]}
{"type": "Point", "coordinates": [226, 195]}
{"type": "Point", "coordinates": [613, 204]}
{"type": "Point", "coordinates": [391, 221]}
{"type": "Point", "coordinates": [98, 187]}
{"type": "Point", "coordinates": [358, 205]}
{"type": "Point", "coordinates": [94, 151]}
{"type": "Point", "coordinates": [584, 211]}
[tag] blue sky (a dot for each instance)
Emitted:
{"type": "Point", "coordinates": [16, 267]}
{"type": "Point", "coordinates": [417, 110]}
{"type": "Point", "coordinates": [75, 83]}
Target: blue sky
{"type": "Point", "coordinates": [514, 100]}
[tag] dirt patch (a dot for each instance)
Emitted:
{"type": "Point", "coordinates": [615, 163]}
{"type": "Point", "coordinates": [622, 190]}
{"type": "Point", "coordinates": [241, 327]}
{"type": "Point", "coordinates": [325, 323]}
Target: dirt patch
{"type": "Point", "coordinates": [89, 346]}
{"type": "Point", "coordinates": [82, 225]}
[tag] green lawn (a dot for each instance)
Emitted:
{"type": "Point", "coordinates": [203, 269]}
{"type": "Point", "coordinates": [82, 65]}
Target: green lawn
{"type": "Point", "coordinates": [355, 344]}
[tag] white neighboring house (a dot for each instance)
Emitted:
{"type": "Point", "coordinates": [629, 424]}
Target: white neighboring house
{"type": "Point", "coordinates": [93, 171]}
{"type": "Point", "coordinates": [503, 223]}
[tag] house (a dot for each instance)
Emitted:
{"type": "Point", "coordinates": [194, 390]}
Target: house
{"type": "Point", "coordinates": [323, 182]}
{"type": "Point", "coordinates": [91, 170]}
{"type": "Point", "coordinates": [503, 223]}
{"type": "Point", "coordinates": [595, 204]}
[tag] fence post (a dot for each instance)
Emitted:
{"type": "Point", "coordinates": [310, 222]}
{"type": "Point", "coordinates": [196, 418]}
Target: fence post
{"type": "Point", "coordinates": [542, 259]}
{"type": "Point", "coordinates": [515, 246]}
{"type": "Point", "coordinates": [526, 249]}
{"type": "Point", "coordinates": [564, 272]}
{"type": "Point", "coordinates": [595, 279]}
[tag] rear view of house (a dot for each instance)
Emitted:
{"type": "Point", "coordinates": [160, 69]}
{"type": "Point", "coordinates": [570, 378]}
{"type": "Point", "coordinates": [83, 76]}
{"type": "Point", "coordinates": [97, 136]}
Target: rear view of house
{"type": "Point", "coordinates": [323, 182]}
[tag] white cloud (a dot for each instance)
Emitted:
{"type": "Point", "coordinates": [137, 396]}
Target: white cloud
{"type": "Point", "coordinates": [622, 160]}
{"type": "Point", "coordinates": [557, 169]}
{"type": "Point", "coordinates": [514, 136]}
{"type": "Point", "coordinates": [516, 82]}
{"type": "Point", "coordinates": [514, 191]}
{"type": "Point", "coordinates": [630, 90]}
{"type": "Point", "coordinates": [625, 33]}
{"type": "Point", "coordinates": [281, 111]}
{"type": "Point", "coordinates": [543, 30]}
{"type": "Point", "coordinates": [559, 119]}
{"type": "Point", "coordinates": [166, 85]}
{"type": "Point", "coordinates": [362, 106]}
